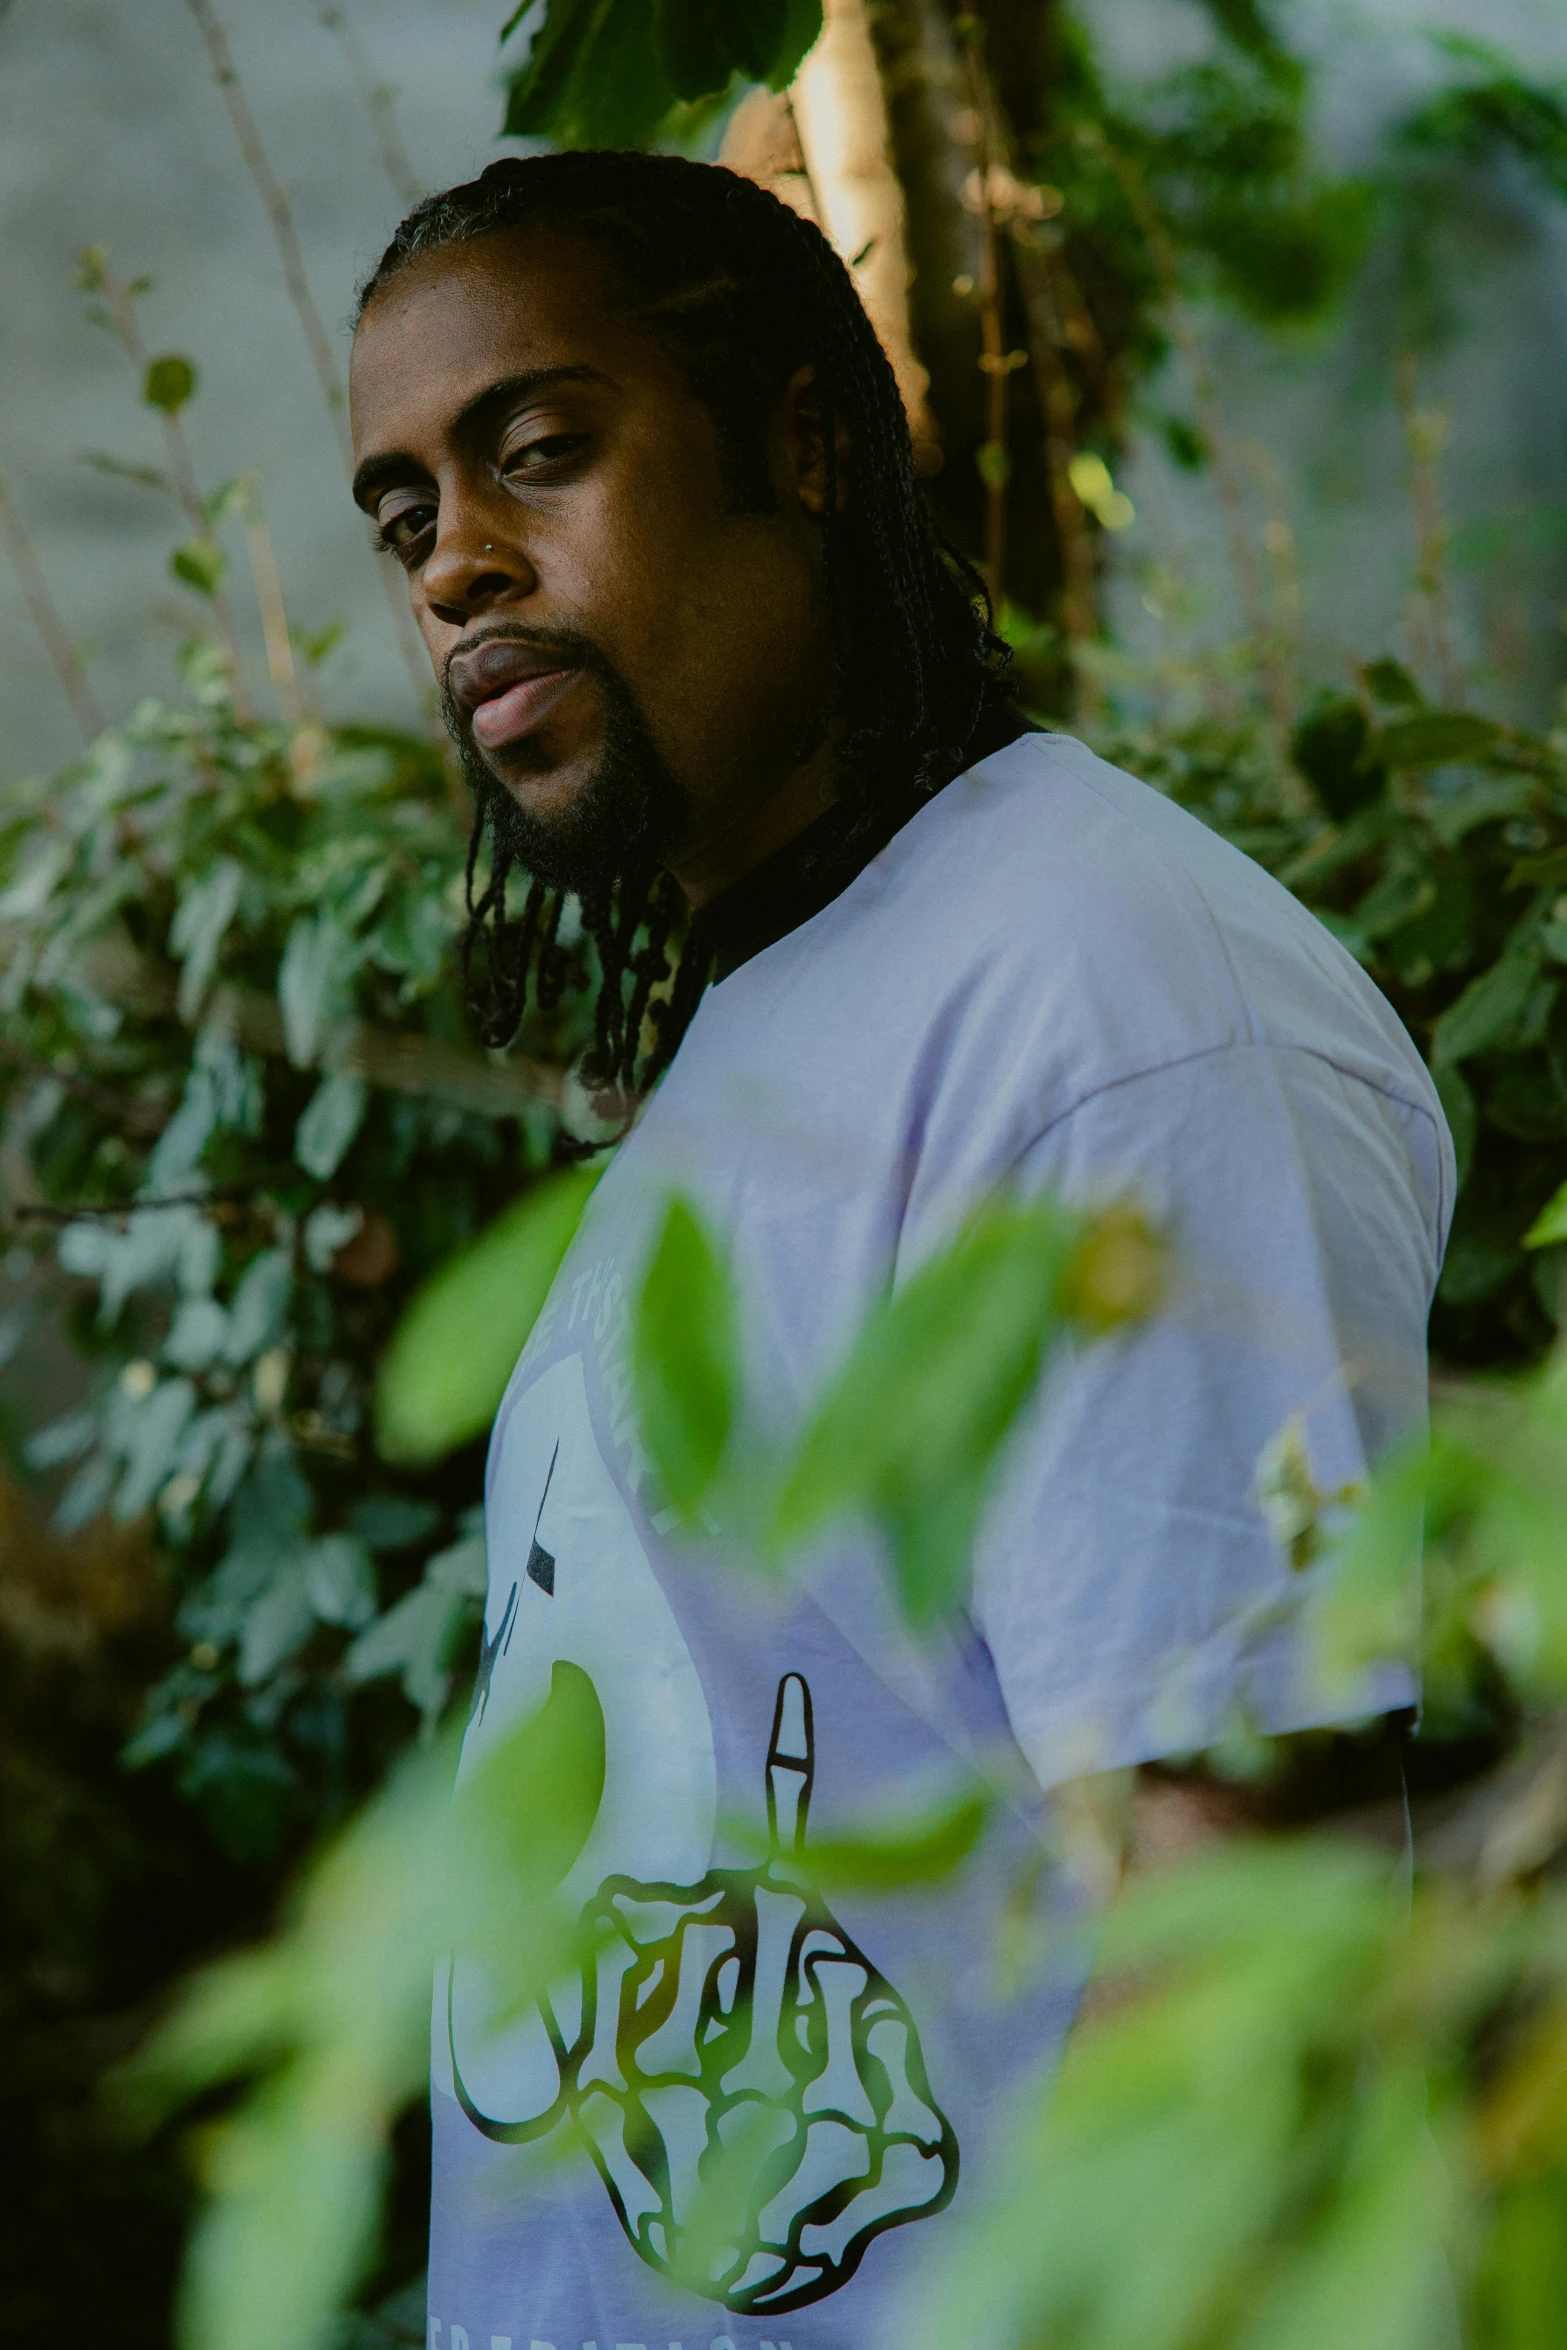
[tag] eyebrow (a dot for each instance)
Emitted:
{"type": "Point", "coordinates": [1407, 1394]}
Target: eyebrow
{"type": "Point", "coordinates": [396, 466]}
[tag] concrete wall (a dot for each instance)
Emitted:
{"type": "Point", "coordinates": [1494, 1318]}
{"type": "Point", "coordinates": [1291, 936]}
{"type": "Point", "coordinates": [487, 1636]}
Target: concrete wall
{"type": "Point", "coordinates": [112, 132]}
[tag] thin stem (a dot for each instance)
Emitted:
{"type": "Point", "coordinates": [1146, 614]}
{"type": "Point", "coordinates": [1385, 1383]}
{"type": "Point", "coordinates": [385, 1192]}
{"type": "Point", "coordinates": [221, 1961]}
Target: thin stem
{"type": "Point", "coordinates": [286, 237]}
{"type": "Point", "coordinates": [1425, 430]}
{"type": "Point", "coordinates": [187, 489]}
{"type": "Point", "coordinates": [994, 360]}
{"type": "Point", "coordinates": [1285, 601]}
{"type": "Point", "coordinates": [378, 101]}
{"type": "Point", "coordinates": [1210, 422]}
{"type": "Point", "coordinates": [284, 233]}
{"type": "Point", "coordinates": [1048, 344]}
{"type": "Point", "coordinates": [1047, 291]}
{"type": "Point", "coordinates": [46, 618]}
{"type": "Point", "coordinates": [274, 615]}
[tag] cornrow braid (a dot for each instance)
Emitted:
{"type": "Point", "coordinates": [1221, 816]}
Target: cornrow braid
{"type": "Point", "coordinates": [740, 292]}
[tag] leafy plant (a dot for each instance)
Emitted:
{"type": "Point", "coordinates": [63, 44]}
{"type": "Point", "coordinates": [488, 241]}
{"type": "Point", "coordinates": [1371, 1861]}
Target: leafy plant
{"type": "Point", "coordinates": [1296, 2099]}
{"type": "Point", "coordinates": [1433, 844]}
{"type": "Point", "coordinates": [327, 2026]}
{"type": "Point", "coordinates": [620, 73]}
{"type": "Point", "coordinates": [238, 1055]}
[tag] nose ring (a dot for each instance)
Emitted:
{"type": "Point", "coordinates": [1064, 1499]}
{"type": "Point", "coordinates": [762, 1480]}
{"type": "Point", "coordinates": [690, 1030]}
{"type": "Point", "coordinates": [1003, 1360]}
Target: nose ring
{"type": "Point", "coordinates": [488, 548]}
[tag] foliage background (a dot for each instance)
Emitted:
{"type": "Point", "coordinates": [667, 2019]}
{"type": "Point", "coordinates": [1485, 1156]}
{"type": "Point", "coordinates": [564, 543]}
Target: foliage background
{"type": "Point", "coordinates": [1441, 856]}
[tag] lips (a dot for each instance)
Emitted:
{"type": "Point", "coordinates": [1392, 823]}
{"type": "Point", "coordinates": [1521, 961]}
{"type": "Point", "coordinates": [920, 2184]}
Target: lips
{"type": "Point", "coordinates": [507, 690]}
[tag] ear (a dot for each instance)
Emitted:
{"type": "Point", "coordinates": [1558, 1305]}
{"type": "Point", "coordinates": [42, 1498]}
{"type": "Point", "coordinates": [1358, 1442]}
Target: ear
{"type": "Point", "coordinates": [804, 445]}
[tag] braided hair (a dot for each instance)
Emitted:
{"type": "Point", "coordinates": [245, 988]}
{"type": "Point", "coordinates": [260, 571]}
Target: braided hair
{"type": "Point", "coordinates": [739, 292]}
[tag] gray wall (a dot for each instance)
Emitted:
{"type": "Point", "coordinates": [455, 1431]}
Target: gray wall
{"type": "Point", "coordinates": [111, 131]}
{"type": "Point", "coordinates": [1317, 412]}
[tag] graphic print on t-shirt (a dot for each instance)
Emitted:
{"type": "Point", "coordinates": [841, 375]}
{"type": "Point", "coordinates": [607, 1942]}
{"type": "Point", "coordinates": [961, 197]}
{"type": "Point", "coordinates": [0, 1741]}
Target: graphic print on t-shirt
{"type": "Point", "coordinates": [570, 1581]}
{"type": "Point", "coordinates": [750, 2086]}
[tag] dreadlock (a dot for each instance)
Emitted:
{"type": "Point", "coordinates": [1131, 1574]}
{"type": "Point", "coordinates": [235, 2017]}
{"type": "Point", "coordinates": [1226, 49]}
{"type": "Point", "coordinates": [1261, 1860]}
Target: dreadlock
{"type": "Point", "coordinates": [740, 292]}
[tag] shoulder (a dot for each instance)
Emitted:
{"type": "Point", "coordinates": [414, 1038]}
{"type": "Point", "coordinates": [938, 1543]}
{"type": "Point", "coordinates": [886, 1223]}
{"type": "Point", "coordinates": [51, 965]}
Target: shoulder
{"type": "Point", "coordinates": [1122, 920]}
{"type": "Point", "coordinates": [1047, 928]}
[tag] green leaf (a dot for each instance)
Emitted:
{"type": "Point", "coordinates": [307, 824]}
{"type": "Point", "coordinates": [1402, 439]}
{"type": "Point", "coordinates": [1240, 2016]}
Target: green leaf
{"type": "Point", "coordinates": [695, 46]}
{"type": "Point", "coordinates": [702, 44]}
{"type": "Point", "coordinates": [920, 1851]}
{"type": "Point", "coordinates": [147, 477]}
{"type": "Point", "coordinates": [802, 29]}
{"type": "Point", "coordinates": [200, 924]}
{"type": "Point", "coordinates": [1436, 738]}
{"type": "Point", "coordinates": [994, 463]}
{"type": "Point", "coordinates": [1330, 747]}
{"type": "Point", "coordinates": [592, 77]}
{"type": "Point", "coordinates": [277, 1623]}
{"type": "Point", "coordinates": [1460, 1110]}
{"type": "Point", "coordinates": [340, 1581]}
{"type": "Point", "coordinates": [1389, 682]}
{"type": "Point", "coordinates": [168, 383]}
{"type": "Point", "coordinates": [318, 962]}
{"type": "Point", "coordinates": [230, 497]}
{"type": "Point", "coordinates": [200, 563]}
{"type": "Point", "coordinates": [418, 1637]}
{"type": "Point", "coordinates": [910, 1430]}
{"type": "Point", "coordinates": [446, 1368]}
{"type": "Point", "coordinates": [1489, 1005]}
{"type": "Point", "coordinates": [329, 2025]}
{"type": "Point", "coordinates": [260, 1306]}
{"type": "Point", "coordinates": [1550, 1225]}
{"type": "Point", "coordinates": [539, 1793]}
{"type": "Point", "coordinates": [330, 1120]}
{"type": "Point", "coordinates": [1485, 800]}
{"type": "Point", "coordinates": [685, 1356]}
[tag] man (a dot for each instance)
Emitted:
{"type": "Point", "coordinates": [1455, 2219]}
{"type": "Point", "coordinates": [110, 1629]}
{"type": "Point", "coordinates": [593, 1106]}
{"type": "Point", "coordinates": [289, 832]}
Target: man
{"type": "Point", "coordinates": [715, 678]}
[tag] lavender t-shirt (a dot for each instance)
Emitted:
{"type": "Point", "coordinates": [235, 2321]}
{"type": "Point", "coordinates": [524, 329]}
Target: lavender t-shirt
{"type": "Point", "coordinates": [1050, 977]}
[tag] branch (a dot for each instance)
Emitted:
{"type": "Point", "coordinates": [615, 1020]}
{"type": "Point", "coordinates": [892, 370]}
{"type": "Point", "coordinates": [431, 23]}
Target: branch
{"type": "Point", "coordinates": [284, 233]}
{"type": "Point", "coordinates": [377, 100]}
{"type": "Point", "coordinates": [840, 115]}
{"type": "Point", "coordinates": [137, 1117]}
{"type": "Point", "coordinates": [46, 618]}
{"type": "Point", "coordinates": [187, 489]}
{"type": "Point", "coordinates": [400, 1060]}
{"type": "Point", "coordinates": [286, 238]}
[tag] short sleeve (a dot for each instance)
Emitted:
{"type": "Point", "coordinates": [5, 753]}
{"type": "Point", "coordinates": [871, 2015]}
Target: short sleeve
{"type": "Point", "coordinates": [1126, 1582]}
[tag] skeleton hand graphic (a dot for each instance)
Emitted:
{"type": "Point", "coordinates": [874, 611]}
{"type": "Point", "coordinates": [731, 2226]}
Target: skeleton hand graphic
{"type": "Point", "coordinates": [749, 2085]}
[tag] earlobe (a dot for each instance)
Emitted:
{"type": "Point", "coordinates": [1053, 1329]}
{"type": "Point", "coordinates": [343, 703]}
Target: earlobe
{"type": "Point", "coordinates": [807, 446]}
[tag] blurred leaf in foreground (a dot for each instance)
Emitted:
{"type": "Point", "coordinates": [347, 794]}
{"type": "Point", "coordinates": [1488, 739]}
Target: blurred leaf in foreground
{"type": "Point", "coordinates": [330, 2023]}
{"type": "Point", "coordinates": [445, 1371]}
{"type": "Point", "coordinates": [884, 1856]}
{"type": "Point", "coordinates": [911, 1428]}
{"type": "Point", "coordinates": [1227, 2155]}
{"type": "Point", "coordinates": [1550, 1225]}
{"type": "Point", "coordinates": [610, 73]}
{"type": "Point", "coordinates": [685, 1350]}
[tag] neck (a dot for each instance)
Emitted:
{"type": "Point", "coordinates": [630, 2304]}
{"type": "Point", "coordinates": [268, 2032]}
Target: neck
{"type": "Point", "coordinates": [744, 837]}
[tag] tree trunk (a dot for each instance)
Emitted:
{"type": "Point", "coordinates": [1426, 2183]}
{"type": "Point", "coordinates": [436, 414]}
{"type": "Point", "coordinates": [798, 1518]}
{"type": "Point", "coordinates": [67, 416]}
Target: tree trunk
{"type": "Point", "coordinates": [825, 148]}
{"type": "Point", "coordinates": [906, 136]}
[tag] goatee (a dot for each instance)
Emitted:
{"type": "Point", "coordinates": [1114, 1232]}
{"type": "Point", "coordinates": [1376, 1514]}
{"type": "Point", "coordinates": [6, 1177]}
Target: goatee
{"type": "Point", "coordinates": [629, 814]}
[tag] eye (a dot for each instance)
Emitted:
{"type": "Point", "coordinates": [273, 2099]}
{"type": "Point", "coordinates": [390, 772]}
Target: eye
{"type": "Point", "coordinates": [542, 459]}
{"type": "Point", "coordinates": [399, 528]}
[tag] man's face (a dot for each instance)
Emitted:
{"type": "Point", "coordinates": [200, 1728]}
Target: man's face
{"type": "Point", "coordinates": [629, 659]}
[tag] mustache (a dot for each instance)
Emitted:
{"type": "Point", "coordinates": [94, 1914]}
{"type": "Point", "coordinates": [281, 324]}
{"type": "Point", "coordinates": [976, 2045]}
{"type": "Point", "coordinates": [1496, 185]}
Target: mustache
{"type": "Point", "coordinates": [553, 648]}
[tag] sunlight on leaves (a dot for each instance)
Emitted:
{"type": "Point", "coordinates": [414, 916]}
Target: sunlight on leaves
{"type": "Point", "coordinates": [330, 2023]}
{"type": "Point", "coordinates": [911, 1429]}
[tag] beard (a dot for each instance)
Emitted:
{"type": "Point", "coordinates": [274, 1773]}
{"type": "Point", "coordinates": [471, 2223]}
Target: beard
{"type": "Point", "coordinates": [628, 815]}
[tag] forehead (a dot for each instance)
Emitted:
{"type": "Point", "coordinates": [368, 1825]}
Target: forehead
{"type": "Point", "coordinates": [457, 320]}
